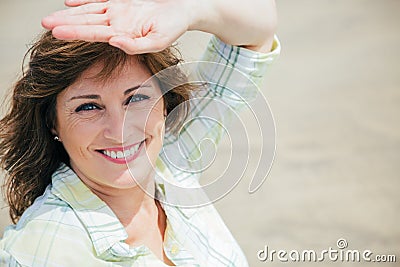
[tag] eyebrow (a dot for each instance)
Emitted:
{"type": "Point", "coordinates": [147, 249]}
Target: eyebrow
{"type": "Point", "coordinates": [126, 92]}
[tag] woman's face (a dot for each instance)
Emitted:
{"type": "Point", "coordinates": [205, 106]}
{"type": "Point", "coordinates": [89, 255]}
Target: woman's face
{"type": "Point", "coordinates": [100, 142]}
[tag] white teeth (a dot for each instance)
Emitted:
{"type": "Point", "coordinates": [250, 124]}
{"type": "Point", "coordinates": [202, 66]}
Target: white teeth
{"type": "Point", "coordinates": [127, 153]}
{"type": "Point", "coordinates": [120, 154]}
{"type": "Point", "coordinates": [134, 149]}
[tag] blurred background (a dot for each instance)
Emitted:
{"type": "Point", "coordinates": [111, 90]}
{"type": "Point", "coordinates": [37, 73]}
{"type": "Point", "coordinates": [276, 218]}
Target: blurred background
{"type": "Point", "coordinates": [335, 96]}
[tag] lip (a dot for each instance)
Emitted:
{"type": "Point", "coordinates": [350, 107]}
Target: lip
{"type": "Point", "coordinates": [121, 148]}
{"type": "Point", "coordinates": [124, 160]}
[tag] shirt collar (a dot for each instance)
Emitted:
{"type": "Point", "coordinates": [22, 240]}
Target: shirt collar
{"type": "Point", "coordinates": [165, 182]}
{"type": "Point", "coordinates": [105, 230]}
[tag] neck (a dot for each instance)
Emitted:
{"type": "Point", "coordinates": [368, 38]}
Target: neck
{"type": "Point", "coordinates": [126, 203]}
{"type": "Point", "coordinates": [129, 204]}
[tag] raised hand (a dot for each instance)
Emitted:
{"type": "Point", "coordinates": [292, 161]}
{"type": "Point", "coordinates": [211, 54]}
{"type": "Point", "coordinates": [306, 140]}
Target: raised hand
{"type": "Point", "coordinates": [135, 26]}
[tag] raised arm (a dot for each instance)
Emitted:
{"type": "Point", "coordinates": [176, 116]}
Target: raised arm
{"type": "Point", "coordinates": [138, 26]}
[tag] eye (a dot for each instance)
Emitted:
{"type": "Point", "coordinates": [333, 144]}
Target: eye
{"type": "Point", "coordinates": [137, 98]}
{"type": "Point", "coordinates": [86, 107]}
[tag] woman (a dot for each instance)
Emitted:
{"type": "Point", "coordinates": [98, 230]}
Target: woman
{"type": "Point", "coordinates": [85, 184]}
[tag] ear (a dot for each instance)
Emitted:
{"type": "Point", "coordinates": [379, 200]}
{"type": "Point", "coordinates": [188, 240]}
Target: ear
{"type": "Point", "coordinates": [53, 131]}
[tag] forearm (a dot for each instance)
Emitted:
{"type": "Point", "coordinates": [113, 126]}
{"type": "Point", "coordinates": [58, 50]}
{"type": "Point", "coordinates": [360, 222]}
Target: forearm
{"type": "Point", "coordinates": [251, 24]}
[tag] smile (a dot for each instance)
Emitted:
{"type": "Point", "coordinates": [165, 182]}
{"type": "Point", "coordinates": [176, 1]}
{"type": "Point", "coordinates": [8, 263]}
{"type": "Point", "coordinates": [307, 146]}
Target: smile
{"type": "Point", "coordinates": [122, 155]}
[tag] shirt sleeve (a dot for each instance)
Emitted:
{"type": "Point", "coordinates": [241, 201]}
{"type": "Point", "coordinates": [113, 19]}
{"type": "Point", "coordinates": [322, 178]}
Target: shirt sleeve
{"type": "Point", "coordinates": [229, 77]}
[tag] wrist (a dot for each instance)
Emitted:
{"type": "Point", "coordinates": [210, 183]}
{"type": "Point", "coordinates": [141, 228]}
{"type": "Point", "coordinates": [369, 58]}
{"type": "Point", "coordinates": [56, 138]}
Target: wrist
{"type": "Point", "coordinates": [203, 15]}
{"type": "Point", "coordinates": [248, 24]}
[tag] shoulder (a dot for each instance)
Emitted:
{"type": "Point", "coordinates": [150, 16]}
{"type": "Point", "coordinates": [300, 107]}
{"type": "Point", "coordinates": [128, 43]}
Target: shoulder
{"type": "Point", "coordinates": [47, 231]}
{"type": "Point", "coordinates": [50, 211]}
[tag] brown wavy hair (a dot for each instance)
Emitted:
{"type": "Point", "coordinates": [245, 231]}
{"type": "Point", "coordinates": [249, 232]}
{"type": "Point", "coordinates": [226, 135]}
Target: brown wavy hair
{"type": "Point", "coordinates": [28, 152]}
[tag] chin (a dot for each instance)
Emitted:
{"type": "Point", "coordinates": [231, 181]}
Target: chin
{"type": "Point", "coordinates": [128, 177]}
{"type": "Point", "coordinates": [142, 170]}
{"type": "Point", "coordinates": [141, 175]}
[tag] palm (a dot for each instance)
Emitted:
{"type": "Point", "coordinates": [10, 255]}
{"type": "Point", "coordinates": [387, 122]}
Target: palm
{"type": "Point", "coordinates": [133, 25]}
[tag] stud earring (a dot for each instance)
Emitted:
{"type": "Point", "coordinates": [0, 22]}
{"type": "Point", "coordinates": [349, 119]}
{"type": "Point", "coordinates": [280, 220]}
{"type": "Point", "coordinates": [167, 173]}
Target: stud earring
{"type": "Point", "coordinates": [56, 138]}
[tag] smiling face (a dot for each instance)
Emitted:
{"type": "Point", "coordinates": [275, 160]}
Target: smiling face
{"type": "Point", "coordinates": [106, 126]}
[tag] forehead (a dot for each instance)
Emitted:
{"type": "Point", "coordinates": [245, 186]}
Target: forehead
{"type": "Point", "coordinates": [124, 76]}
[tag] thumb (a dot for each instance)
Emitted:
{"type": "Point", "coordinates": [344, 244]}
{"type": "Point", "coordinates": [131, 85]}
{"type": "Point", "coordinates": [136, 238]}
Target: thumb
{"type": "Point", "coordinates": [140, 45]}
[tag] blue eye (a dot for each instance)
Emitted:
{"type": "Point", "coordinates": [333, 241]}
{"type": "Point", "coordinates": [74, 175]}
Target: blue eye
{"type": "Point", "coordinates": [86, 107]}
{"type": "Point", "coordinates": [137, 98]}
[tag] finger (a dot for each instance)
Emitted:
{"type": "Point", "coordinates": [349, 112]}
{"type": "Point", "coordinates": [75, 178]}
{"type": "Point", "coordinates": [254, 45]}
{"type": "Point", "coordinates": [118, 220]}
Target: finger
{"type": "Point", "coordinates": [86, 19]}
{"type": "Point", "coordinates": [94, 8]}
{"type": "Point", "coordinates": [81, 2]}
{"type": "Point", "coordinates": [148, 44]}
{"type": "Point", "coordinates": [90, 33]}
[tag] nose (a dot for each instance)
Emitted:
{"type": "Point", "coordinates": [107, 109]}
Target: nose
{"type": "Point", "coordinates": [114, 125]}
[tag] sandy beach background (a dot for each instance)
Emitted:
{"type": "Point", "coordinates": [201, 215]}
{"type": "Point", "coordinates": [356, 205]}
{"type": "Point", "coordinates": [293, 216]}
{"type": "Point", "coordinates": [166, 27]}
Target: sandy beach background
{"type": "Point", "coordinates": [335, 96]}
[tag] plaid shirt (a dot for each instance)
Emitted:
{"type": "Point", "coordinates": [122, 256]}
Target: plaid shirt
{"type": "Point", "coordinates": [70, 226]}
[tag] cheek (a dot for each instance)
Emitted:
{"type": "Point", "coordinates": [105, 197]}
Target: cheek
{"type": "Point", "coordinates": [75, 134]}
{"type": "Point", "coordinates": [152, 129]}
{"type": "Point", "coordinates": [148, 119]}
{"type": "Point", "coordinates": [155, 120]}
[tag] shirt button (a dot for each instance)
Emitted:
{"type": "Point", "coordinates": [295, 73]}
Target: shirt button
{"type": "Point", "coordinates": [174, 249]}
